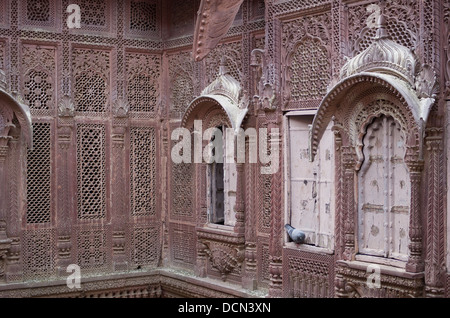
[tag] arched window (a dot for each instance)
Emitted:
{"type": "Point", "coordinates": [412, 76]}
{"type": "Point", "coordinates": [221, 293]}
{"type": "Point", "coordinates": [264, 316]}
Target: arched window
{"type": "Point", "coordinates": [384, 192]}
{"type": "Point", "coordinates": [221, 179]}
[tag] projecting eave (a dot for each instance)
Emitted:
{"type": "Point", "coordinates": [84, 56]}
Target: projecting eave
{"type": "Point", "coordinates": [234, 113]}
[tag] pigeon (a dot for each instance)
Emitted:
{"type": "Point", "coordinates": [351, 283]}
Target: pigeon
{"type": "Point", "coordinates": [295, 234]}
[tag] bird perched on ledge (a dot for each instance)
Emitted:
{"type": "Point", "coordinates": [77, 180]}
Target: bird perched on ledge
{"type": "Point", "coordinates": [295, 234]}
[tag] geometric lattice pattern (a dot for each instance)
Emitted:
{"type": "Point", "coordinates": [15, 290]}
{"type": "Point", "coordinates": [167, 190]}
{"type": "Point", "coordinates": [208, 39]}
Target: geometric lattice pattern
{"type": "Point", "coordinates": [181, 74]}
{"type": "Point", "coordinates": [143, 72]}
{"type": "Point", "coordinates": [38, 90]}
{"type": "Point", "coordinates": [39, 176]}
{"type": "Point", "coordinates": [91, 70]}
{"type": "Point", "coordinates": [233, 53]}
{"type": "Point", "coordinates": [2, 52]}
{"type": "Point", "coordinates": [182, 191]}
{"type": "Point", "coordinates": [90, 93]}
{"type": "Point", "coordinates": [143, 171]}
{"type": "Point", "coordinates": [264, 262]}
{"type": "Point", "coordinates": [143, 16]}
{"type": "Point", "coordinates": [39, 253]}
{"type": "Point", "coordinates": [183, 245]}
{"type": "Point", "coordinates": [145, 245]}
{"type": "Point", "coordinates": [397, 31]}
{"type": "Point", "coordinates": [91, 179]}
{"type": "Point", "coordinates": [310, 275]}
{"type": "Point", "coordinates": [91, 246]}
{"type": "Point", "coordinates": [310, 72]}
{"type": "Point", "coordinates": [38, 66]}
{"type": "Point", "coordinates": [93, 12]}
{"type": "Point", "coordinates": [265, 193]}
{"type": "Point", "coordinates": [38, 10]}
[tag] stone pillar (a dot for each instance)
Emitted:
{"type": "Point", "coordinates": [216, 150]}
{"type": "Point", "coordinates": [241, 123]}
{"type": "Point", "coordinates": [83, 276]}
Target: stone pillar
{"type": "Point", "coordinates": [249, 280]}
{"type": "Point", "coordinates": [348, 163]}
{"type": "Point", "coordinates": [118, 215]}
{"type": "Point", "coordinates": [3, 153]}
{"type": "Point", "coordinates": [16, 160]}
{"type": "Point", "coordinates": [5, 244]}
{"type": "Point", "coordinates": [415, 165]}
{"type": "Point", "coordinates": [65, 197]}
{"type": "Point", "coordinates": [276, 240]}
{"type": "Point", "coordinates": [239, 207]}
{"type": "Point", "coordinates": [202, 260]}
{"type": "Point", "coordinates": [435, 268]}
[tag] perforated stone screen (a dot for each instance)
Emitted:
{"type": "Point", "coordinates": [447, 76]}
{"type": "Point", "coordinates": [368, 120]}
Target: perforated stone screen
{"type": "Point", "coordinates": [39, 176]}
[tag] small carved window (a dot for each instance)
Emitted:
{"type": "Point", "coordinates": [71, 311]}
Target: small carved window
{"type": "Point", "coordinates": [38, 91]}
{"type": "Point", "coordinates": [145, 243]}
{"type": "Point", "coordinates": [91, 249]}
{"type": "Point", "coordinates": [93, 13]}
{"type": "Point", "coordinates": [143, 73]}
{"type": "Point", "coordinates": [38, 10]}
{"type": "Point", "coordinates": [38, 253]}
{"type": "Point", "coordinates": [384, 192]}
{"type": "Point", "coordinates": [182, 190]}
{"type": "Point", "coordinates": [90, 93]}
{"type": "Point", "coordinates": [91, 171]}
{"type": "Point", "coordinates": [39, 176]}
{"type": "Point", "coordinates": [309, 71]}
{"type": "Point", "coordinates": [143, 171]}
{"type": "Point", "coordinates": [143, 16]}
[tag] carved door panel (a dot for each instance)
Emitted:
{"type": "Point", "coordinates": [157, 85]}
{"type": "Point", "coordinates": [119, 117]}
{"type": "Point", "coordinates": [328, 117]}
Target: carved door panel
{"type": "Point", "coordinates": [311, 189]}
{"type": "Point", "coordinates": [384, 195]}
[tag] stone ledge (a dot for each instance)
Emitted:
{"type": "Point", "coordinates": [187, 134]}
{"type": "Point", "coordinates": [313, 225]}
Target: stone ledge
{"type": "Point", "coordinates": [154, 283]}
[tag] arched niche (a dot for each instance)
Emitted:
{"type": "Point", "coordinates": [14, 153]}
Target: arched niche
{"type": "Point", "coordinates": [353, 106]}
{"type": "Point", "coordinates": [218, 112]}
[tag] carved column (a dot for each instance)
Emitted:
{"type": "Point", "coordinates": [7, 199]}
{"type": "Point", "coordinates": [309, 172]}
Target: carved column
{"type": "Point", "coordinates": [118, 197]}
{"type": "Point", "coordinates": [435, 269]}
{"type": "Point", "coordinates": [202, 260]}
{"type": "Point", "coordinates": [240, 195]}
{"type": "Point", "coordinates": [276, 245]}
{"type": "Point", "coordinates": [249, 281]}
{"type": "Point", "coordinates": [339, 242]}
{"type": "Point", "coordinates": [415, 166]}
{"type": "Point", "coordinates": [349, 205]}
{"type": "Point", "coordinates": [5, 244]}
{"type": "Point", "coordinates": [3, 153]}
{"type": "Point", "coordinates": [14, 174]}
{"type": "Point", "coordinates": [65, 161]}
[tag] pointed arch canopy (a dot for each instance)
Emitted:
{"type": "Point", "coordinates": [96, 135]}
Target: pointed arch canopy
{"type": "Point", "coordinates": [13, 105]}
{"type": "Point", "coordinates": [385, 64]}
{"type": "Point", "coordinates": [234, 114]}
{"type": "Point", "coordinates": [419, 108]}
{"type": "Point", "coordinates": [225, 92]}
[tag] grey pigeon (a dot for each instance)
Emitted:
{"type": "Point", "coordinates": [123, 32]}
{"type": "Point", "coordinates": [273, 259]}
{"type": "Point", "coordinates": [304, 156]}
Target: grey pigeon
{"type": "Point", "coordinates": [295, 234]}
